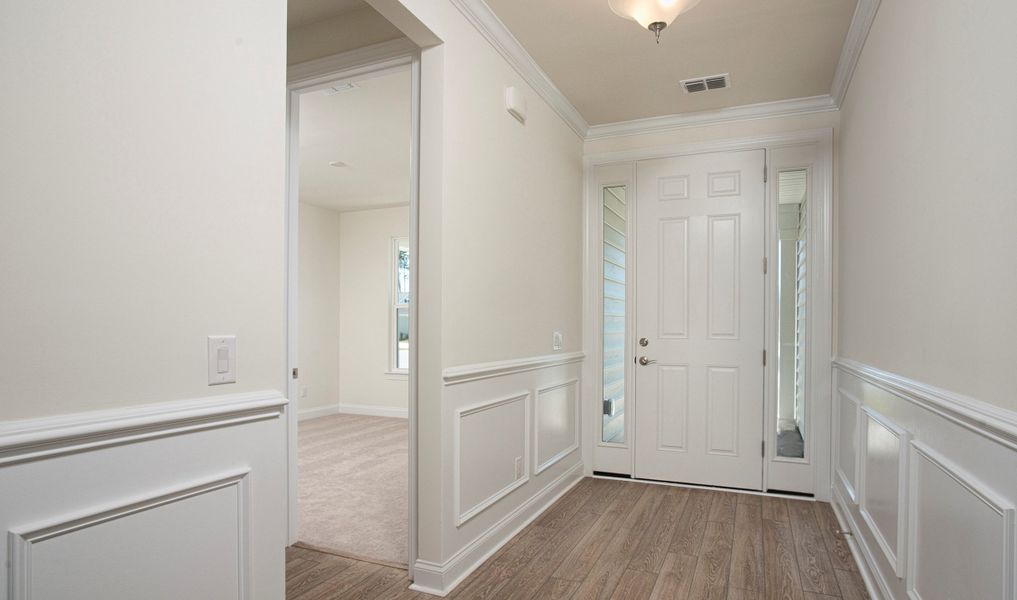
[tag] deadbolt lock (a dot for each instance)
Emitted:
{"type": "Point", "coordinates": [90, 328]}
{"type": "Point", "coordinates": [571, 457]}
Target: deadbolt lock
{"type": "Point", "coordinates": [644, 342]}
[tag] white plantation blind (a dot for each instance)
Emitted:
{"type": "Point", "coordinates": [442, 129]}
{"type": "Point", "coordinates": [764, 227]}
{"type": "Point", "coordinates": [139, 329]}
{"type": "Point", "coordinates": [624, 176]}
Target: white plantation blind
{"type": "Point", "coordinates": [801, 247]}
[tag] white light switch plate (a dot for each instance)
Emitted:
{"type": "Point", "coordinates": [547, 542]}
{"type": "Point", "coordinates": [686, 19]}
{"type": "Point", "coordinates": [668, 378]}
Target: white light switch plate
{"type": "Point", "coordinates": [556, 340]}
{"type": "Point", "coordinates": [222, 359]}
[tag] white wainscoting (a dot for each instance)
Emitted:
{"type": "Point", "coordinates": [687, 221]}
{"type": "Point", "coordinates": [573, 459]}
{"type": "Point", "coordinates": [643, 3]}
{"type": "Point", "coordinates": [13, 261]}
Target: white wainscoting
{"type": "Point", "coordinates": [156, 501]}
{"type": "Point", "coordinates": [925, 480]}
{"type": "Point", "coordinates": [514, 451]}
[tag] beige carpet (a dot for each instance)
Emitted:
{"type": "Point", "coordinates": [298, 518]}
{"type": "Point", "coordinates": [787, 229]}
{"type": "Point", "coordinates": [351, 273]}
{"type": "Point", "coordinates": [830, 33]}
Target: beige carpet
{"type": "Point", "coordinates": [353, 479]}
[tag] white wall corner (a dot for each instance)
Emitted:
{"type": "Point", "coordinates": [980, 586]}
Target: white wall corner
{"type": "Point", "coordinates": [497, 34]}
{"type": "Point", "coordinates": [861, 22]}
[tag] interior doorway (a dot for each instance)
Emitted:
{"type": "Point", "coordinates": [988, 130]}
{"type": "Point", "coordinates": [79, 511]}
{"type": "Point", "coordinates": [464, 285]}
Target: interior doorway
{"type": "Point", "coordinates": [352, 203]}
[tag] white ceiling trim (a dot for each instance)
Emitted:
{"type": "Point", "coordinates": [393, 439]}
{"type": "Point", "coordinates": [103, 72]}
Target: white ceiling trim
{"type": "Point", "coordinates": [497, 34]}
{"type": "Point", "coordinates": [763, 110]}
{"type": "Point", "coordinates": [861, 22]}
{"type": "Point", "coordinates": [490, 26]}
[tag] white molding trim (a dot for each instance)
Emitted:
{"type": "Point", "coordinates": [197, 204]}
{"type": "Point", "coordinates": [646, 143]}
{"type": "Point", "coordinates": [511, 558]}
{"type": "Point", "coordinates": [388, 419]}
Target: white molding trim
{"type": "Point", "coordinates": [374, 411]}
{"type": "Point", "coordinates": [21, 539]}
{"type": "Point", "coordinates": [321, 411]}
{"type": "Point", "coordinates": [541, 467]}
{"type": "Point", "coordinates": [875, 584]}
{"type": "Point", "coordinates": [441, 578]}
{"type": "Point", "coordinates": [361, 61]}
{"type": "Point", "coordinates": [478, 13]}
{"type": "Point", "coordinates": [895, 555]}
{"type": "Point", "coordinates": [49, 436]}
{"type": "Point", "coordinates": [861, 22]}
{"type": "Point", "coordinates": [979, 490]}
{"type": "Point", "coordinates": [762, 110]}
{"type": "Point", "coordinates": [851, 486]}
{"type": "Point", "coordinates": [462, 516]}
{"type": "Point", "coordinates": [465, 373]}
{"type": "Point", "coordinates": [822, 136]}
{"type": "Point", "coordinates": [993, 422]}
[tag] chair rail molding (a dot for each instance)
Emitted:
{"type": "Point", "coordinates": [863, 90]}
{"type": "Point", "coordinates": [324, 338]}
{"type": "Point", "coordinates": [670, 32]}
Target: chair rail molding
{"type": "Point", "coordinates": [466, 373]}
{"type": "Point", "coordinates": [983, 418]}
{"type": "Point", "coordinates": [50, 436]}
{"type": "Point", "coordinates": [920, 456]}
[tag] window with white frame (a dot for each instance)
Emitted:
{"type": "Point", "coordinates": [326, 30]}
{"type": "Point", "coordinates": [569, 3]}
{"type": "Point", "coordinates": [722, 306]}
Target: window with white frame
{"type": "Point", "coordinates": [399, 336]}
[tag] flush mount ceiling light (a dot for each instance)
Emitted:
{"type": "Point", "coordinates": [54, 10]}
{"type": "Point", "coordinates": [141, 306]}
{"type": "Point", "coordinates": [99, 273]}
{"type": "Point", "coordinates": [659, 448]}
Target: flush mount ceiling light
{"type": "Point", "coordinates": [654, 15]}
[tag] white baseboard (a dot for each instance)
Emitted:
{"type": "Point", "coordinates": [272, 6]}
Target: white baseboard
{"type": "Point", "coordinates": [441, 579]}
{"type": "Point", "coordinates": [374, 411]}
{"type": "Point", "coordinates": [314, 413]}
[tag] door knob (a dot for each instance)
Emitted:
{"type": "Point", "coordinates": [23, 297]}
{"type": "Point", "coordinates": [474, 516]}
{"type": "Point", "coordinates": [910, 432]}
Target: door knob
{"type": "Point", "coordinates": [645, 361]}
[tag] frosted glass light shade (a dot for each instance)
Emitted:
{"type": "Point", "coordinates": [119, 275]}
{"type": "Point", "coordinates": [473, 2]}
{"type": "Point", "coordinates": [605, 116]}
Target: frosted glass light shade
{"type": "Point", "coordinates": [645, 12]}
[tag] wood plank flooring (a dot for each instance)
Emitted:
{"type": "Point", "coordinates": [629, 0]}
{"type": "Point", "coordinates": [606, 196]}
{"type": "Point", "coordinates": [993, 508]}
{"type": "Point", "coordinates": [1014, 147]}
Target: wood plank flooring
{"type": "Point", "coordinates": [622, 540]}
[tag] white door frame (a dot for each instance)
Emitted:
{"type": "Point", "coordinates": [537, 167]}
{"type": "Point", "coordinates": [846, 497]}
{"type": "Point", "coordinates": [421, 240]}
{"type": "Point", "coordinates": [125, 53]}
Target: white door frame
{"type": "Point", "coordinates": [306, 77]}
{"type": "Point", "coordinates": [819, 320]}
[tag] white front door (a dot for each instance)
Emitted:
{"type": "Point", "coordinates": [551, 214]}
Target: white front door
{"type": "Point", "coordinates": [700, 311]}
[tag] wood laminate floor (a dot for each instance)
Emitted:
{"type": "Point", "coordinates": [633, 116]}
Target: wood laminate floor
{"type": "Point", "coordinates": [615, 539]}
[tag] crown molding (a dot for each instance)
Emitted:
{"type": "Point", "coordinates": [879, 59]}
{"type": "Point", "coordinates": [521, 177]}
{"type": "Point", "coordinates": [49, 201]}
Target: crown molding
{"type": "Point", "coordinates": [763, 110]}
{"type": "Point", "coordinates": [480, 15]}
{"type": "Point", "coordinates": [490, 26]}
{"type": "Point", "coordinates": [861, 22]}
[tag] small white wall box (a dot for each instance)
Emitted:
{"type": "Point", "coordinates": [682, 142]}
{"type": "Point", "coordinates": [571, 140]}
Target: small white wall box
{"type": "Point", "coordinates": [515, 103]}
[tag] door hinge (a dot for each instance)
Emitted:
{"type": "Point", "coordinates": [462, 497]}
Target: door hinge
{"type": "Point", "coordinates": [764, 358]}
{"type": "Point", "coordinates": [762, 448]}
{"type": "Point", "coordinates": [766, 175]}
{"type": "Point", "coordinates": [296, 373]}
{"type": "Point", "coordinates": [764, 265]}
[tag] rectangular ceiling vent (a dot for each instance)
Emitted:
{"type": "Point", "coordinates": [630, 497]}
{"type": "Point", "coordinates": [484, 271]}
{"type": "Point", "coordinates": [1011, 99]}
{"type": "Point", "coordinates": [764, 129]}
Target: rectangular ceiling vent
{"type": "Point", "coordinates": [339, 88]}
{"type": "Point", "coordinates": [702, 84]}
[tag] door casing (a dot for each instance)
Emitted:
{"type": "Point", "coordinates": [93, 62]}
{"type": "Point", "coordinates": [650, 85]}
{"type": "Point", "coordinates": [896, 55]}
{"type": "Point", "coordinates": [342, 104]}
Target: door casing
{"type": "Point", "coordinates": [316, 75]}
{"type": "Point", "coordinates": [614, 168]}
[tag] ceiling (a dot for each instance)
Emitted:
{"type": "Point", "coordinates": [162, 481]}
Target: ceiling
{"type": "Point", "coordinates": [368, 128]}
{"type": "Point", "coordinates": [303, 12]}
{"type": "Point", "coordinates": [611, 70]}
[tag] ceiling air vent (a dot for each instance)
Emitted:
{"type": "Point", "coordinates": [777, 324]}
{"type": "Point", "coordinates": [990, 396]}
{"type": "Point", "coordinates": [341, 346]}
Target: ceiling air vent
{"type": "Point", "coordinates": [702, 84]}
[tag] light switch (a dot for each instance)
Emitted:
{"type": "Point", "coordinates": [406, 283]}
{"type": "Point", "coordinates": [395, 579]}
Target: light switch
{"type": "Point", "coordinates": [222, 359]}
{"type": "Point", "coordinates": [556, 340]}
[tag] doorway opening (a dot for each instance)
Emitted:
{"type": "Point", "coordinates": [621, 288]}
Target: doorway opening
{"type": "Point", "coordinates": [351, 204]}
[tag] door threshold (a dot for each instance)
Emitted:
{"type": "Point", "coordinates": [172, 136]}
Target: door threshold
{"type": "Point", "coordinates": [697, 486]}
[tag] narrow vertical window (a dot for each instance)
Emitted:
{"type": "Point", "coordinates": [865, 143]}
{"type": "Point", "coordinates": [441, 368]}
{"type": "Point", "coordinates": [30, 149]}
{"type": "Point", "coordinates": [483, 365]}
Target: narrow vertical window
{"type": "Point", "coordinates": [400, 337]}
{"type": "Point", "coordinates": [613, 429]}
{"type": "Point", "coordinates": [792, 263]}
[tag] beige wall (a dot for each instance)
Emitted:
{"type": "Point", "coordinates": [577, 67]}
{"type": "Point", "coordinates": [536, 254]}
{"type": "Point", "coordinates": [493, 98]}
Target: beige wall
{"type": "Point", "coordinates": [512, 257]}
{"type": "Point", "coordinates": [347, 31]}
{"type": "Point", "coordinates": [318, 316]}
{"type": "Point", "coordinates": [928, 218]}
{"type": "Point", "coordinates": [365, 251]}
{"type": "Point", "coordinates": [142, 203]}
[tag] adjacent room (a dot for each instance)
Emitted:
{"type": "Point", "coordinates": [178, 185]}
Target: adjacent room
{"type": "Point", "coordinates": [353, 320]}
